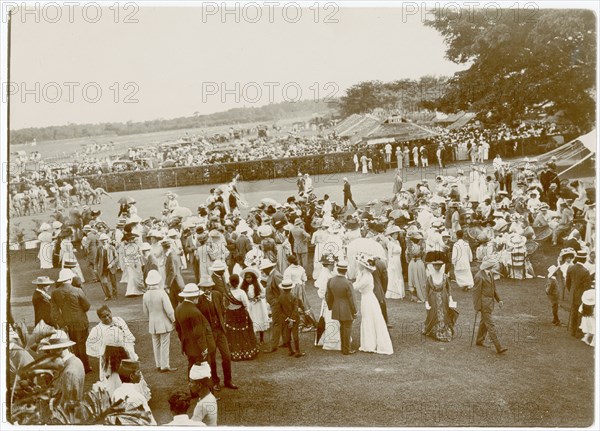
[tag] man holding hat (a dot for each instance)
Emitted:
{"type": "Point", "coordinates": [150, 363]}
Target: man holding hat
{"type": "Point", "coordinates": [578, 281]}
{"type": "Point", "coordinates": [42, 308]}
{"type": "Point", "coordinates": [69, 307]}
{"type": "Point", "coordinates": [340, 300]}
{"type": "Point", "coordinates": [212, 305]}
{"type": "Point", "coordinates": [106, 267]}
{"type": "Point", "coordinates": [192, 327]}
{"type": "Point", "coordinates": [484, 298]}
{"type": "Point", "coordinates": [69, 384]}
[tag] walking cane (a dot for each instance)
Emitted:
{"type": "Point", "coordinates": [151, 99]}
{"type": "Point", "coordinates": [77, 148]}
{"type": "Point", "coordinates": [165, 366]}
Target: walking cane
{"type": "Point", "coordinates": [474, 325]}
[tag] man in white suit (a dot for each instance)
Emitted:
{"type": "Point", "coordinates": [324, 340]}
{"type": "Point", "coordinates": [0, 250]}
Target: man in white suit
{"type": "Point", "coordinates": [161, 317]}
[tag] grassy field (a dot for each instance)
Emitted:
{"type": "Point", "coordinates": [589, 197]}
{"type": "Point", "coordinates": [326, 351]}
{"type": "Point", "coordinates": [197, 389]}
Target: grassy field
{"type": "Point", "coordinates": [545, 379]}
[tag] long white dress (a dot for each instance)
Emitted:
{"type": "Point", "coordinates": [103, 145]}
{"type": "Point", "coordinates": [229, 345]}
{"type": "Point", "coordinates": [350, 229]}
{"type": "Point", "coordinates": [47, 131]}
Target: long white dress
{"type": "Point", "coordinates": [462, 256]}
{"type": "Point", "coordinates": [46, 250]}
{"type": "Point", "coordinates": [374, 335]}
{"type": "Point", "coordinates": [330, 340]}
{"type": "Point", "coordinates": [395, 288]}
{"type": "Point", "coordinates": [257, 309]}
{"type": "Point", "coordinates": [135, 276]}
{"type": "Point", "coordinates": [319, 239]}
{"type": "Point", "coordinates": [474, 186]}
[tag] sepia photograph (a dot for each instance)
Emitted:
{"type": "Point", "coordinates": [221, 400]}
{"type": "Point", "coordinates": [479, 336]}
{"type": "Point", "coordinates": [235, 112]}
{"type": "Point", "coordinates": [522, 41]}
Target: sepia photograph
{"type": "Point", "coordinates": [299, 214]}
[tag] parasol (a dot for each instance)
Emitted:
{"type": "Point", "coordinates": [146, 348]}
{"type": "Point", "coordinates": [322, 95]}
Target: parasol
{"type": "Point", "coordinates": [130, 200]}
{"type": "Point", "coordinates": [122, 200]}
{"type": "Point", "coordinates": [181, 212]}
{"type": "Point", "coordinates": [364, 245]}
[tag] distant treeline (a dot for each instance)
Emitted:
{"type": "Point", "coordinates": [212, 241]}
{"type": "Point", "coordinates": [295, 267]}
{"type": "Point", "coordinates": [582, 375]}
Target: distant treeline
{"type": "Point", "coordinates": [268, 114]}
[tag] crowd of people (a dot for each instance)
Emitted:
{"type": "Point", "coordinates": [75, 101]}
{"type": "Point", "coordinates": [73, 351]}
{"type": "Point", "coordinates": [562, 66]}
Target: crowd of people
{"type": "Point", "coordinates": [236, 284]}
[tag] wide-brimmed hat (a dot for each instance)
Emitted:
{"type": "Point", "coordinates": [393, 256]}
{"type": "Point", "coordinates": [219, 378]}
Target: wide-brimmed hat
{"type": "Point", "coordinates": [392, 229]}
{"type": "Point", "coordinates": [582, 254]}
{"type": "Point", "coordinates": [65, 275]}
{"type": "Point", "coordinates": [172, 233]}
{"type": "Point", "coordinates": [298, 222]}
{"type": "Point", "coordinates": [567, 251]}
{"type": "Point", "coordinates": [266, 264]}
{"type": "Point", "coordinates": [327, 259]}
{"type": "Point", "coordinates": [190, 290]}
{"type": "Point", "coordinates": [287, 284]}
{"type": "Point", "coordinates": [264, 230]}
{"type": "Point", "coordinates": [58, 340]}
{"type": "Point", "coordinates": [218, 265]}
{"type": "Point", "coordinates": [43, 280]}
{"type": "Point", "coordinates": [145, 246]}
{"type": "Point", "coordinates": [45, 227]}
{"type": "Point", "coordinates": [56, 225]}
{"type": "Point", "coordinates": [589, 297]}
{"type": "Point", "coordinates": [366, 261]}
{"type": "Point", "coordinates": [335, 228]}
{"type": "Point", "coordinates": [153, 278]}
{"type": "Point", "coordinates": [250, 270]}
{"type": "Point", "coordinates": [214, 233]}
{"type": "Point", "coordinates": [103, 237]}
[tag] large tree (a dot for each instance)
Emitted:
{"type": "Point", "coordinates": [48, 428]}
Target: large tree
{"type": "Point", "coordinates": [522, 62]}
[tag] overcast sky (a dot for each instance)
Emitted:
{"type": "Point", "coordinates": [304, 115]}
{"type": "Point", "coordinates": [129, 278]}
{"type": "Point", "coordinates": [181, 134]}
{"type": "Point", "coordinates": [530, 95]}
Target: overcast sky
{"type": "Point", "coordinates": [178, 60]}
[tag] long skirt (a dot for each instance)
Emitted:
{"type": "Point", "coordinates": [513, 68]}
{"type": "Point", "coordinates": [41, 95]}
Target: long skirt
{"type": "Point", "coordinates": [417, 278]}
{"type": "Point", "coordinates": [330, 339]}
{"type": "Point", "coordinates": [441, 319]}
{"type": "Point", "coordinates": [240, 335]}
{"type": "Point", "coordinates": [259, 314]}
{"type": "Point", "coordinates": [135, 281]}
{"type": "Point", "coordinates": [308, 319]}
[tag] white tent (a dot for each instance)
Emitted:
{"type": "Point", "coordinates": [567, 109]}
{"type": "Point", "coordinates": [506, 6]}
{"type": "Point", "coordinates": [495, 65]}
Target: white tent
{"type": "Point", "coordinates": [588, 142]}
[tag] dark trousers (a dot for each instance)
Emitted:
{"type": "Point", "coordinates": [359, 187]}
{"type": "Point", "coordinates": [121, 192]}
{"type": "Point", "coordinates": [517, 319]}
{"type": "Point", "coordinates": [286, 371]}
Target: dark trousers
{"type": "Point", "coordinates": [292, 334]}
{"type": "Point", "coordinates": [79, 336]}
{"type": "Point", "coordinates": [174, 294]}
{"type": "Point", "coordinates": [108, 281]}
{"type": "Point", "coordinates": [349, 199]}
{"type": "Point", "coordinates": [345, 332]}
{"type": "Point", "coordinates": [223, 347]}
{"type": "Point", "coordinates": [487, 326]}
{"type": "Point", "coordinates": [555, 318]}
{"type": "Point", "coordinates": [383, 307]}
{"type": "Point", "coordinates": [575, 321]}
{"type": "Point", "coordinates": [277, 318]}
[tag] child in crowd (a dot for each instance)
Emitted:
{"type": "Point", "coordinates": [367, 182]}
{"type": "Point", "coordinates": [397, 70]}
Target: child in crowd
{"type": "Point", "coordinates": [588, 317]}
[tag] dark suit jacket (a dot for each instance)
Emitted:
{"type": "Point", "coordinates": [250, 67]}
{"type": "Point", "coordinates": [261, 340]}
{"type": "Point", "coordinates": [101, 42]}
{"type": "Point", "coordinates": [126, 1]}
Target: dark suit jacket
{"type": "Point", "coordinates": [578, 281]}
{"type": "Point", "coordinates": [289, 306]}
{"type": "Point", "coordinates": [42, 308]}
{"type": "Point", "coordinates": [484, 292]}
{"type": "Point", "coordinates": [112, 259]}
{"type": "Point", "coordinates": [173, 271]}
{"type": "Point", "coordinates": [242, 246]}
{"type": "Point", "coordinates": [217, 299]}
{"type": "Point", "coordinates": [219, 284]}
{"type": "Point", "coordinates": [380, 280]}
{"type": "Point", "coordinates": [194, 331]}
{"type": "Point", "coordinates": [69, 307]}
{"type": "Point", "coordinates": [273, 292]}
{"type": "Point", "coordinates": [340, 298]}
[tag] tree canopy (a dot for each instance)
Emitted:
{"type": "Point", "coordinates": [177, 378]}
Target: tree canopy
{"type": "Point", "coordinates": [522, 63]}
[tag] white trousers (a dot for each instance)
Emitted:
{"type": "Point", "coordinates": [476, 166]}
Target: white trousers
{"type": "Point", "coordinates": [160, 345]}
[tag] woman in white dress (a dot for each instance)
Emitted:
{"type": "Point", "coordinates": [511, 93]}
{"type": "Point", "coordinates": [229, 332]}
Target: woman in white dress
{"type": "Point", "coordinates": [257, 308]}
{"type": "Point", "coordinates": [395, 288]}
{"type": "Point", "coordinates": [462, 256]}
{"type": "Point", "coordinates": [46, 246]}
{"type": "Point", "coordinates": [374, 335]}
{"type": "Point", "coordinates": [319, 239]}
{"type": "Point", "coordinates": [474, 184]}
{"type": "Point", "coordinates": [330, 339]}
{"type": "Point", "coordinates": [134, 265]}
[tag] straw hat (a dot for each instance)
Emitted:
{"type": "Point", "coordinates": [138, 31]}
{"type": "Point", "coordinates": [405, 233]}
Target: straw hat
{"type": "Point", "coordinates": [342, 264]}
{"type": "Point", "coordinates": [145, 246]}
{"type": "Point", "coordinates": [206, 282]}
{"type": "Point", "coordinates": [59, 340]}
{"type": "Point", "coordinates": [251, 271]}
{"type": "Point", "coordinates": [392, 229]}
{"type": "Point", "coordinates": [266, 264]}
{"type": "Point", "coordinates": [43, 280]}
{"type": "Point", "coordinates": [199, 372]}
{"type": "Point", "coordinates": [45, 227]}
{"type": "Point", "coordinates": [287, 284]}
{"type": "Point", "coordinates": [366, 261]}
